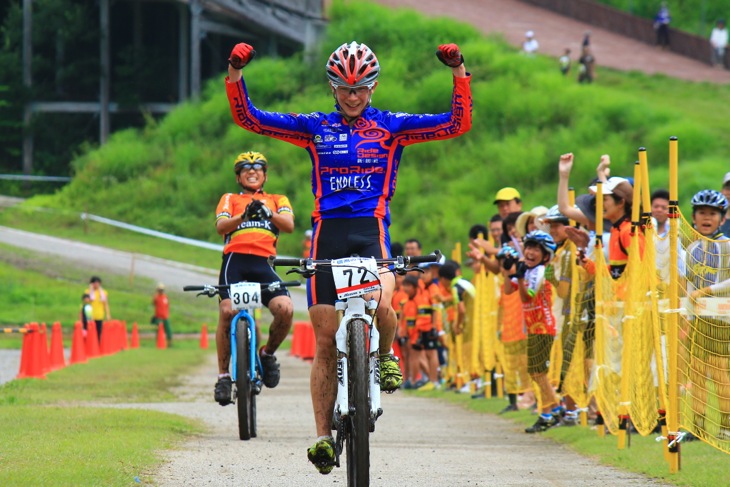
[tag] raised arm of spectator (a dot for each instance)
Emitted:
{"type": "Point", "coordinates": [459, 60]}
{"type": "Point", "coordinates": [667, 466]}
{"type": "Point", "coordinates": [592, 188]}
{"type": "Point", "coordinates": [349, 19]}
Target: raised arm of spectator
{"type": "Point", "coordinates": [565, 165]}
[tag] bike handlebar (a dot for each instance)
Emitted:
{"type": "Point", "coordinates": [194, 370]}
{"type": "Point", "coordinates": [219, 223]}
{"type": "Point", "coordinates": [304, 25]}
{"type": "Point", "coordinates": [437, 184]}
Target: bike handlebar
{"type": "Point", "coordinates": [304, 262]}
{"type": "Point", "coordinates": [212, 289]}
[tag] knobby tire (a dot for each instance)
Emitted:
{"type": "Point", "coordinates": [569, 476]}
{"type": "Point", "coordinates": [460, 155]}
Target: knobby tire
{"type": "Point", "coordinates": [243, 382]}
{"type": "Point", "coordinates": [358, 439]}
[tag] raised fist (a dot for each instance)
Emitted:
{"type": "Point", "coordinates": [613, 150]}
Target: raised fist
{"type": "Point", "coordinates": [450, 55]}
{"type": "Point", "coordinates": [241, 55]}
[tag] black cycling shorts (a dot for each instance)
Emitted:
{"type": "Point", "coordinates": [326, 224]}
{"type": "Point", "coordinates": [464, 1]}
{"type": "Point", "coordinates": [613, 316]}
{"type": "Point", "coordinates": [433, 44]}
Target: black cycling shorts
{"type": "Point", "coordinates": [250, 268]}
{"type": "Point", "coordinates": [427, 340]}
{"type": "Point", "coordinates": [337, 238]}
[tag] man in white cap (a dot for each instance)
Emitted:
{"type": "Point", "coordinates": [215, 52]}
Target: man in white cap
{"type": "Point", "coordinates": [530, 46]}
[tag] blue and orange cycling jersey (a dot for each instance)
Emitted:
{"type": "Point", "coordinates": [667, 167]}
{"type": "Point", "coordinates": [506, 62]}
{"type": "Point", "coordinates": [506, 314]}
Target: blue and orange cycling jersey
{"type": "Point", "coordinates": [354, 168]}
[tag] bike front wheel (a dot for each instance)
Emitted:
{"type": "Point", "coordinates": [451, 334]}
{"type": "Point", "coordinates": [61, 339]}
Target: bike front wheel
{"type": "Point", "coordinates": [358, 434]}
{"type": "Point", "coordinates": [244, 392]}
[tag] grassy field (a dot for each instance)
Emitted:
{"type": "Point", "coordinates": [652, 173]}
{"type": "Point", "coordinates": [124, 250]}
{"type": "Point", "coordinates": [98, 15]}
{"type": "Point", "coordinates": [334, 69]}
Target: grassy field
{"type": "Point", "coordinates": [701, 464]}
{"type": "Point", "coordinates": [42, 288]}
{"type": "Point", "coordinates": [56, 432]}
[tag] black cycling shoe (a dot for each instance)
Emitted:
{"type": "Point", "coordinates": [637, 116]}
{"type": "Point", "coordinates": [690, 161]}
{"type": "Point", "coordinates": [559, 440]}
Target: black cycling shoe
{"type": "Point", "coordinates": [270, 367]}
{"type": "Point", "coordinates": [222, 391]}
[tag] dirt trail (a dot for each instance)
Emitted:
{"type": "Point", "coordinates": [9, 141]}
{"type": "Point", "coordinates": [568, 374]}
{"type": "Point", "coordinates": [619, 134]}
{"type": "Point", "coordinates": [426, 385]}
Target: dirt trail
{"type": "Point", "coordinates": [417, 442]}
{"type": "Point", "coordinates": [554, 32]}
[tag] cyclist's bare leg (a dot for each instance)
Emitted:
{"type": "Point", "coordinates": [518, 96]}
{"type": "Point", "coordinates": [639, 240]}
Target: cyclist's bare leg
{"type": "Point", "coordinates": [282, 309]}
{"type": "Point", "coordinates": [386, 314]}
{"type": "Point", "coordinates": [323, 380]}
{"type": "Point", "coordinates": [222, 335]}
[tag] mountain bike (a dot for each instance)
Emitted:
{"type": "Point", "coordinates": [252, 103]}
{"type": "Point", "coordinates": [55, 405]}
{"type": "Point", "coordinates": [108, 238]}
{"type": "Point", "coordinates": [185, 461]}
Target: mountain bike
{"type": "Point", "coordinates": [357, 406]}
{"type": "Point", "coordinates": [246, 371]}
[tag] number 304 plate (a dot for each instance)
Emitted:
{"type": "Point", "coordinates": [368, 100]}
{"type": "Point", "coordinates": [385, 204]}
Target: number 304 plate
{"type": "Point", "coordinates": [245, 295]}
{"type": "Point", "coordinates": [355, 276]}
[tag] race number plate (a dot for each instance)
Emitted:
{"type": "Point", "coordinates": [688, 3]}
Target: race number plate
{"type": "Point", "coordinates": [355, 276]}
{"type": "Point", "coordinates": [245, 295]}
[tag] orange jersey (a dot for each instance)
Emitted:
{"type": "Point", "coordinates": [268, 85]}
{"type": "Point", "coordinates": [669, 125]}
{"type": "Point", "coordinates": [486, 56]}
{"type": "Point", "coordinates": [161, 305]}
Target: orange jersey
{"type": "Point", "coordinates": [419, 310]}
{"type": "Point", "coordinates": [436, 300]}
{"type": "Point", "coordinates": [162, 306]}
{"type": "Point", "coordinates": [251, 237]}
{"type": "Point", "coordinates": [513, 326]}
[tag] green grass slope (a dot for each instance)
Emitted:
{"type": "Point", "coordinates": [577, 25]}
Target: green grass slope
{"type": "Point", "coordinates": [170, 175]}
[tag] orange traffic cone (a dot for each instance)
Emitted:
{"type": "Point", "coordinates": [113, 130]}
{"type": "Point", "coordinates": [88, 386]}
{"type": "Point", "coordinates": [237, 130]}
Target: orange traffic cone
{"type": "Point", "coordinates": [78, 348]}
{"type": "Point", "coordinates": [161, 337]}
{"type": "Point", "coordinates": [58, 361]}
{"type": "Point", "coordinates": [135, 336]}
{"type": "Point", "coordinates": [31, 361]}
{"type": "Point", "coordinates": [125, 336]}
{"type": "Point", "coordinates": [107, 335]}
{"type": "Point", "coordinates": [45, 360]}
{"type": "Point", "coordinates": [92, 340]}
{"type": "Point", "coordinates": [204, 337]}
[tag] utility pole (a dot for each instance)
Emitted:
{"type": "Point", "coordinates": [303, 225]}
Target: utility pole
{"type": "Point", "coordinates": [28, 83]}
{"type": "Point", "coordinates": [105, 70]}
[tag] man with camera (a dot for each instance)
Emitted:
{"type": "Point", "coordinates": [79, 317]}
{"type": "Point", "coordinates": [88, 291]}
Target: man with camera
{"type": "Point", "coordinates": [250, 222]}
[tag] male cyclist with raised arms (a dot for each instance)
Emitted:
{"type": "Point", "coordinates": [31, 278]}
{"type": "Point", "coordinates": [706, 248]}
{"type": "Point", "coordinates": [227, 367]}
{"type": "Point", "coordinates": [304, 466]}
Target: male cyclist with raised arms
{"type": "Point", "coordinates": [250, 222]}
{"type": "Point", "coordinates": [355, 153]}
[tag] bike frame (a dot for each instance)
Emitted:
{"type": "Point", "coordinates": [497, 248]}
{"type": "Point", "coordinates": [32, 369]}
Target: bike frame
{"type": "Point", "coordinates": [253, 358]}
{"type": "Point", "coordinates": [357, 308]}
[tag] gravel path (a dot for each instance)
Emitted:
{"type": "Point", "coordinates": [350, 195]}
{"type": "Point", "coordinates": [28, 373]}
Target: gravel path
{"type": "Point", "coordinates": [418, 441]}
{"type": "Point", "coordinates": [554, 32]}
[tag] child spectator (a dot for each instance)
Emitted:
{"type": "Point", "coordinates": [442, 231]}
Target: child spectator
{"type": "Point", "coordinates": [85, 310]}
{"type": "Point", "coordinates": [528, 278]}
{"type": "Point", "coordinates": [564, 62]}
{"type": "Point", "coordinates": [559, 274]}
{"type": "Point", "coordinates": [708, 274]}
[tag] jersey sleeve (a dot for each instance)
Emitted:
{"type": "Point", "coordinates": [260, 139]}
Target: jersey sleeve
{"type": "Point", "coordinates": [288, 127]}
{"type": "Point", "coordinates": [283, 205]}
{"type": "Point", "coordinates": [412, 129]}
{"type": "Point", "coordinates": [224, 208]}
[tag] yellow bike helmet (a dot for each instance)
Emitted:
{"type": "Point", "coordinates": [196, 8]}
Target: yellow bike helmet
{"type": "Point", "coordinates": [249, 158]}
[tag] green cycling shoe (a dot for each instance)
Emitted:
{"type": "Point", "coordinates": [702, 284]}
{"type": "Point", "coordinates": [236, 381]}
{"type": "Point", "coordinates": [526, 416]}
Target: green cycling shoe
{"type": "Point", "coordinates": [391, 377]}
{"type": "Point", "coordinates": [322, 454]}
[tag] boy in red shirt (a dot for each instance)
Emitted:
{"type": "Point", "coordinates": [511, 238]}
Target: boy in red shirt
{"type": "Point", "coordinates": [528, 278]}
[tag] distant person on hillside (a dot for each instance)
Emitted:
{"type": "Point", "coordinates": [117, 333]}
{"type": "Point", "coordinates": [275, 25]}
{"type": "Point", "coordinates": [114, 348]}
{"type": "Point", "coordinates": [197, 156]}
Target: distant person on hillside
{"type": "Point", "coordinates": [661, 26]}
{"type": "Point", "coordinates": [586, 69]}
{"type": "Point", "coordinates": [162, 311]}
{"type": "Point", "coordinates": [530, 46]}
{"type": "Point", "coordinates": [586, 39]}
{"type": "Point", "coordinates": [718, 41]}
{"type": "Point", "coordinates": [564, 61]}
{"type": "Point", "coordinates": [250, 222]}
{"type": "Point", "coordinates": [99, 304]}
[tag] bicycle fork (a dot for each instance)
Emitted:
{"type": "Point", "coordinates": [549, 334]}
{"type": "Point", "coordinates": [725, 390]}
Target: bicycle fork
{"type": "Point", "coordinates": [357, 308]}
{"type": "Point", "coordinates": [253, 358]}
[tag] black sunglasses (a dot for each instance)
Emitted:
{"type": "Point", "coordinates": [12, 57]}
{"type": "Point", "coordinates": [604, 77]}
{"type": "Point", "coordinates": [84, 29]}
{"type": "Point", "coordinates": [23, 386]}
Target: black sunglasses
{"type": "Point", "coordinates": [245, 166]}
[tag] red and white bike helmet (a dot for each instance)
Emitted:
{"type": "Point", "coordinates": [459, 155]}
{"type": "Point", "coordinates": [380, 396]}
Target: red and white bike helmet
{"type": "Point", "coordinates": [353, 65]}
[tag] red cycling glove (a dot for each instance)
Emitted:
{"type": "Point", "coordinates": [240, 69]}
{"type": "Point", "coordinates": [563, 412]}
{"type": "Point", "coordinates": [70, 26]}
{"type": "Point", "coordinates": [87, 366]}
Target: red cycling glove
{"type": "Point", "coordinates": [241, 55]}
{"type": "Point", "coordinates": [450, 55]}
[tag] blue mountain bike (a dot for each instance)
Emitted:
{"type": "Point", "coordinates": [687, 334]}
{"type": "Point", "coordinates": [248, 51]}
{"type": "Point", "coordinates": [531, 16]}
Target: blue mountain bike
{"type": "Point", "coordinates": [246, 371]}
